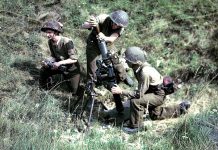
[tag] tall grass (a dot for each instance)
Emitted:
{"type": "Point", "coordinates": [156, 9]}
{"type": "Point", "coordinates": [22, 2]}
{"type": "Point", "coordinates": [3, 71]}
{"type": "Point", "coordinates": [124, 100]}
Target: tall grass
{"type": "Point", "coordinates": [177, 36]}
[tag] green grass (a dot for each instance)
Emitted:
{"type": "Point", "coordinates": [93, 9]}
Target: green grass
{"type": "Point", "coordinates": [180, 39]}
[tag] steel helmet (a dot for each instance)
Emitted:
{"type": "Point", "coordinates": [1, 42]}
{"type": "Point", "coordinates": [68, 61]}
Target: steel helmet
{"type": "Point", "coordinates": [135, 54]}
{"type": "Point", "coordinates": [52, 25]}
{"type": "Point", "coordinates": [120, 17]}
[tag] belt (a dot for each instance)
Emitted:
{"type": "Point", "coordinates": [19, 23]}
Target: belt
{"type": "Point", "coordinates": [155, 87]}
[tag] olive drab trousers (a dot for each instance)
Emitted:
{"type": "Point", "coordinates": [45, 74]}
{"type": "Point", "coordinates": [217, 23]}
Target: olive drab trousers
{"type": "Point", "coordinates": [154, 102]}
{"type": "Point", "coordinates": [72, 77]}
{"type": "Point", "coordinates": [93, 54]}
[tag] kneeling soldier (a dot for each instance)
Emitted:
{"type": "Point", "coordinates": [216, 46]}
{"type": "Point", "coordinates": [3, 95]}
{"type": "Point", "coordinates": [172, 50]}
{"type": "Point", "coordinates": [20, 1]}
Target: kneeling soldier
{"type": "Point", "coordinates": [150, 94]}
{"type": "Point", "coordinates": [63, 58]}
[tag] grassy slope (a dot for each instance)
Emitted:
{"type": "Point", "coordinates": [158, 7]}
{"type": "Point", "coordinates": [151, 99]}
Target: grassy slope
{"type": "Point", "coordinates": [180, 38]}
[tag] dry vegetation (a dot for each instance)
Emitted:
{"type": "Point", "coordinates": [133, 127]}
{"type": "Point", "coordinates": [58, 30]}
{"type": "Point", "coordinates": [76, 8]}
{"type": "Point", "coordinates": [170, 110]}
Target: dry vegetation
{"type": "Point", "coordinates": [181, 38]}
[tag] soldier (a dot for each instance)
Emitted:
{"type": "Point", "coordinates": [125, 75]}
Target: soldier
{"type": "Point", "coordinates": [63, 55]}
{"type": "Point", "coordinates": [150, 94]}
{"type": "Point", "coordinates": [108, 28]}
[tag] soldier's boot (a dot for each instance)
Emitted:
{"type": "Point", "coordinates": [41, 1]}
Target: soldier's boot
{"type": "Point", "coordinates": [184, 106]}
{"type": "Point", "coordinates": [131, 130]}
{"type": "Point", "coordinates": [45, 84]}
{"type": "Point", "coordinates": [78, 97]}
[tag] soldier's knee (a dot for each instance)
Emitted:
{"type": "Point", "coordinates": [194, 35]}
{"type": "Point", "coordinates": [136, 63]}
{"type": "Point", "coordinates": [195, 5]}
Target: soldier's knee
{"type": "Point", "coordinates": [134, 102]}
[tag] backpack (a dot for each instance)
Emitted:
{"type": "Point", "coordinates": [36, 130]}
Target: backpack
{"type": "Point", "coordinates": [168, 85]}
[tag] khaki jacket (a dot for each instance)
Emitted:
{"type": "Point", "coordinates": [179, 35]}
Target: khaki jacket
{"type": "Point", "coordinates": [147, 76]}
{"type": "Point", "coordinates": [63, 50]}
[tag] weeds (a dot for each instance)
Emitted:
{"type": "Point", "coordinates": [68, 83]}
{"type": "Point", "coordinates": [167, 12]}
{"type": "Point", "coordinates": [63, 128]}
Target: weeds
{"type": "Point", "coordinates": [180, 39]}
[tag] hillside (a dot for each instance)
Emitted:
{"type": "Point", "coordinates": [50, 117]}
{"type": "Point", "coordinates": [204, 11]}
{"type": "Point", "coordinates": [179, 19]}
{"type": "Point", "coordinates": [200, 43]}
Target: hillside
{"type": "Point", "coordinates": [180, 37]}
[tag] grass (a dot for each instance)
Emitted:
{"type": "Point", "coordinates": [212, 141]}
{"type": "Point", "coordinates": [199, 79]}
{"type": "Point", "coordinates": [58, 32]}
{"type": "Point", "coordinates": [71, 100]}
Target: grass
{"type": "Point", "coordinates": [180, 39]}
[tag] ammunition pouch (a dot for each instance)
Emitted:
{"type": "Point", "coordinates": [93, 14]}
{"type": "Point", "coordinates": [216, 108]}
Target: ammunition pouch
{"type": "Point", "coordinates": [115, 59]}
{"type": "Point", "coordinates": [169, 89]}
{"type": "Point", "coordinates": [168, 85]}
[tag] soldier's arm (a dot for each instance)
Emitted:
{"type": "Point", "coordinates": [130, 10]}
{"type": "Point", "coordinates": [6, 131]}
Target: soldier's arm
{"type": "Point", "coordinates": [143, 85]}
{"type": "Point", "coordinates": [67, 61]}
{"type": "Point", "coordinates": [94, 21]}
{"type": "Point", "coordinates": [108, 39]}
{"type": "Point", "coordinates": [113, 36]}
{"type": "Point", "coordinates": [71, 53]}
{"type": "Point", "coordinates": [117, 90]}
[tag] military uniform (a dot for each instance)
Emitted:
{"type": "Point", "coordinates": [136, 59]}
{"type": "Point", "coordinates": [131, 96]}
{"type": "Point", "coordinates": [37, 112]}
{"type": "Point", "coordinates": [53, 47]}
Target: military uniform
{"type": "Point", "coordinates": [93, 52]}
{"type": "Point", "coordinates": [149, 95]}
{"type": "Point", "coordinates": [64, 49]}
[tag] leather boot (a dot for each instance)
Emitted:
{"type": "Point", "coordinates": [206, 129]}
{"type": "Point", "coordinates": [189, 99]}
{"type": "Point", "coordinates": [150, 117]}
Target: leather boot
{"type": "Point", "coordinates": [184, 106]}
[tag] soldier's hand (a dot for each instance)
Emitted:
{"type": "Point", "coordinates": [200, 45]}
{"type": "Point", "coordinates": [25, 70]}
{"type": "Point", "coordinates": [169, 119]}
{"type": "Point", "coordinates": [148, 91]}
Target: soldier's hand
{"type": "Point", "coordinates": [56, 65]}
{"type": "Point", "coordinates": [116, 90]}
{"type": "Point", "coordinates": [44, 64]}
{"type": "Point", "coordinates": [86, 25]}
{"type": "Point", "coordinates": [93, 21]}
{"type": "Point", "coordinates": [101, 36]}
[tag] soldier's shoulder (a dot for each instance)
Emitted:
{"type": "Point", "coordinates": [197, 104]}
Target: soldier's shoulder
{"type": "Point", "coordinates": [102, 17]}
{"type": "Point", "coordinates": [66, 39]}
{"type": "Point", "coordinates": [147, 69]}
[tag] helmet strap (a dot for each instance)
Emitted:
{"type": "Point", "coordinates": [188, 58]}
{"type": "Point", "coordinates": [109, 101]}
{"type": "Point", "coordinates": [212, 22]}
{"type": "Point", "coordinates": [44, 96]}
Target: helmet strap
{"type": "Point", "coordinates": [138, 62]}
{"type": "Point", "coordinates": [56, 32]}
{"type": "Point", "coordinates": [137, 66]}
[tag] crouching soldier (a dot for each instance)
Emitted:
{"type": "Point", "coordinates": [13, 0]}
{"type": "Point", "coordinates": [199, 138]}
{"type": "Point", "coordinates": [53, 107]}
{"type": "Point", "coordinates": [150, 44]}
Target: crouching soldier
{"type": "Point", "coordinates": [63, 60]}
{"type": "Point", "coordinates": [150, 94]}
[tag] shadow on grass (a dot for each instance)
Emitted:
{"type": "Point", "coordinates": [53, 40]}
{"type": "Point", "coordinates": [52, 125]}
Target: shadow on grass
{"type": "Point", "coordinates": [30, 67]}
{"type": "Point", "coordinates": [213, 50]}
